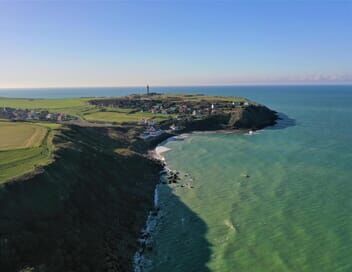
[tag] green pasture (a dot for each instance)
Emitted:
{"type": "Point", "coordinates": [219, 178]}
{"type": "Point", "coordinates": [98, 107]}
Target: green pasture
{"type": "Point", "coordinates": [24, 147]}
{"type": "Point", "coordinates": [199, 97]}
{"type": "Point", "coordinates": [71, 106]}
{"type": "Point", "coordinates": [20, 135]}
{"type": "Point", "coordinates": [123, 117]}
{"type": "Point", "coordinates": [80, 107]}
{"type": "Point", "coordinates": [27, 103]}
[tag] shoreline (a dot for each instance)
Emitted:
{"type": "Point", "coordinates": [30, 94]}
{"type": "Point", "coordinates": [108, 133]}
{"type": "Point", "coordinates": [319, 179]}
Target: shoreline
{"type": "Point", "coordinates": [141, 262]}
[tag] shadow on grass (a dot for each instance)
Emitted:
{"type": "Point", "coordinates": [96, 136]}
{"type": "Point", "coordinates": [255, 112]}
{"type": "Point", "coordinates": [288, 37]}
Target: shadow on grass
{"type": "Point", "coordinates": [83, 213]}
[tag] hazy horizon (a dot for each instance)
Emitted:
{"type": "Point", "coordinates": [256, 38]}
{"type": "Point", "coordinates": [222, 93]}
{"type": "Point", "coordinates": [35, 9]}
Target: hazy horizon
{"type": "Point", "coordinates": [249, 84]}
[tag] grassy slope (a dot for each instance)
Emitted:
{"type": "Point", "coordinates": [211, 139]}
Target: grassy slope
{"type": "Point", "coordinates": [84, 212]}
{"type": "Point", "coordinates": [25, 147]}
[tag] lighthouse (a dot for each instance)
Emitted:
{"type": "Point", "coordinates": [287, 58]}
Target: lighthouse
{"type": "Point", "coordinates": [147, 89]}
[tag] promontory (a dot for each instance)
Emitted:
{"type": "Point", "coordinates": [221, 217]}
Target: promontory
{"type": "Point", "coordinates": [76, 183]}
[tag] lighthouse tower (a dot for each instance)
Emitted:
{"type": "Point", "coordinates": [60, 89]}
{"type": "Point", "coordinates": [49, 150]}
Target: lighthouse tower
{"type": "Point", "coordinates": [147, 89]}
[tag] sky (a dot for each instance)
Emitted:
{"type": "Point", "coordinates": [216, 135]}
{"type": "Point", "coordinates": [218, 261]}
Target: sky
{"type": "Point", "coordinates": [134, 43]}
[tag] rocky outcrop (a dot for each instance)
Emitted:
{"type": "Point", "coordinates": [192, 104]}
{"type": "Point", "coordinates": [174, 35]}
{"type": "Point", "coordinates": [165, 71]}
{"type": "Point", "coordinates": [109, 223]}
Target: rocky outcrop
{"type": "Point", "coordinates": [250, 117]}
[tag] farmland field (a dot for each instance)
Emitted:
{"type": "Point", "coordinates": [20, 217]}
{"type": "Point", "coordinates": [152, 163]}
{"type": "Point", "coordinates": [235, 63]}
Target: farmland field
{"type": "Point", "coordinates": [20, 135]}
{"type": "Point", "coordinates": [23, 147]}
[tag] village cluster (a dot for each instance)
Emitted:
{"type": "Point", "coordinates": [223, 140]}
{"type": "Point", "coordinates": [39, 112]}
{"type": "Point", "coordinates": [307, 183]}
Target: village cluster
{"type": "Point", "coordinates": [179, 110]}
{"type": "Point", "coordinates": [168, 106]}
{"type": "Point", "coordinates": [28, 115]}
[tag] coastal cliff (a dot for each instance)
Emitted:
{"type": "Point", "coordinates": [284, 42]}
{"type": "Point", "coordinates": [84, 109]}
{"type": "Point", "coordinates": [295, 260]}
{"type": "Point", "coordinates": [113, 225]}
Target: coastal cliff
{"type": "Point", "coordinates": [252, 117]}
{"type": "Point", "coordinates": [84, 211]}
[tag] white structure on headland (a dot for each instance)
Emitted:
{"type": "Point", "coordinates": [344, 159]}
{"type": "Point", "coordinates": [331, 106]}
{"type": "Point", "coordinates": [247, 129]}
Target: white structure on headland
{"type": "Point", "coordinates": [173, 127]}
{"type": "Point", "coordinates": [151, 132]}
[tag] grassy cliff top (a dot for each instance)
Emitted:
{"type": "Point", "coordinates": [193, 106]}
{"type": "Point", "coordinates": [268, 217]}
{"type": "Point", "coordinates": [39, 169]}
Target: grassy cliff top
{"type": "Point", "coordinates": [77, 104]}
{"type": "Point", "coordinates": [170, 97]}
{"type": "Point", "coordinates": [100, 110]}
{"type": "Point", "coordinates": [24, 147]}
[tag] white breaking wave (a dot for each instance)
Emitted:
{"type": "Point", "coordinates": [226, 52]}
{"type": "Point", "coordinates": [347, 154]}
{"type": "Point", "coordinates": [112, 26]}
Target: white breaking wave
{"type": "Point", "coordinates": [159, 150]}
{"type": "Point", "coordinates": [156, 197]}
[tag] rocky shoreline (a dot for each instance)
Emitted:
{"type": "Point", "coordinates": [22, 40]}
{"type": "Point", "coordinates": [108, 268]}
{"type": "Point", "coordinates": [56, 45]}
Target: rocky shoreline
{"type": "Point", "coordinates": [141, 262]}
{"type": "Point", "coordinates": [146, 240]}
{"type": "Point", "coordinates": [244, 120]}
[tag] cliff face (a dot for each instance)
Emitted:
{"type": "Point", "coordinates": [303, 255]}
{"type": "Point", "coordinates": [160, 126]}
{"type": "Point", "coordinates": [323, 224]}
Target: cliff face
{"type": "Point", "coordinates": [250, 117]}
{"type": "Point", "coordinates": [84, 212]}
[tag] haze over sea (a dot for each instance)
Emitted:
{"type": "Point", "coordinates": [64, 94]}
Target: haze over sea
{"type": "Point", "coordinates": [294, 211]}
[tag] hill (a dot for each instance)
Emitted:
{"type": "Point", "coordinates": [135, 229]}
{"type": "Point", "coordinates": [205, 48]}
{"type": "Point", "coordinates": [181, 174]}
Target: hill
{"type": "Point", "coordinates": [84, 211]}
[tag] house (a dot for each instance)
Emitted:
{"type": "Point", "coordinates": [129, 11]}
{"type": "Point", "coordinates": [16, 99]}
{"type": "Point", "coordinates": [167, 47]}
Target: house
{"type": "Point", "coordinates": [173, 127]}
{"type": "Point", "coordinates": [151, 132]}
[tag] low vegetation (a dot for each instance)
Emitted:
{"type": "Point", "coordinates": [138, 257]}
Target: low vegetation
{"type": "Point", "coordinates": [123, 117]}
{"type": "Point", "coordinates": [20, 135]}
{"type": "Point", "coordinates": [24, 103]}
{"type": "Point", "coordinates": [71, 106]}
{"type": "Point", "coordinates": [85, 211]}
{"type": "Point", "coordinates": [24, 147]}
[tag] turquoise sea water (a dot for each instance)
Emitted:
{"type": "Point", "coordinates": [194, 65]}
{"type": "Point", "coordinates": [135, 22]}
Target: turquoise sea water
{"type": "Point", "coordinates": [294, 211]}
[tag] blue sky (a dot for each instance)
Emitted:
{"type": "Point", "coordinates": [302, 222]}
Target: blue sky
{"type": "Point", "coordinates": [130, 43]}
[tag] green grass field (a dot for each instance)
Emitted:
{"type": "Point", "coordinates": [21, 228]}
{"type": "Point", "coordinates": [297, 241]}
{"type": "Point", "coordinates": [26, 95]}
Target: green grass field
{"type": "Point", "coordinates": [72, 106]}
{"type": "Point", "coordinates": [24, 103]}
{"type": "Point", "coordinates": [24, 147]}
{"type": "Point", "coordinates": [20, 135]}
{"type": "Point", "coordinates": [199, 97]}
{"type": "Point", "coordinates": [80, 107]}
{"type": "Point", "coordinates": [123, 117]}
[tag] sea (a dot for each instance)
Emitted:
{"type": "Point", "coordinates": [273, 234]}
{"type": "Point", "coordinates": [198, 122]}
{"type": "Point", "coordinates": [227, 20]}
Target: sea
{"type": "Point", "coordinates": [277, 200]}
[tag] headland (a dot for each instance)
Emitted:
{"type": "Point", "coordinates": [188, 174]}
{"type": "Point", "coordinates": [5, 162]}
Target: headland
{"type": "Point", "coordinates": [82, 200]}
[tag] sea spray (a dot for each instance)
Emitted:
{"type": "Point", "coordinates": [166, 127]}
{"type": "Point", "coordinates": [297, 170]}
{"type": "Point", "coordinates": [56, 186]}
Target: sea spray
{"type": "Point", "coordinates": [156, 197]}
{"type": "Point", "coordinates": [140, 261]}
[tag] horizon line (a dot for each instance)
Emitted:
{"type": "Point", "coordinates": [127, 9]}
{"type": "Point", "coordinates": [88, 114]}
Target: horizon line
{"type": "Point", "coordinates": [190, 85]}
